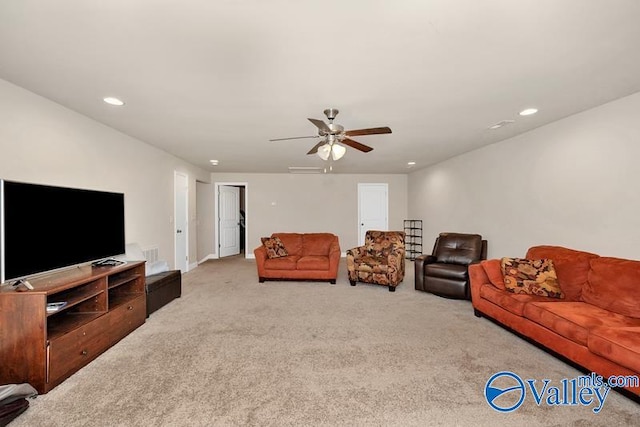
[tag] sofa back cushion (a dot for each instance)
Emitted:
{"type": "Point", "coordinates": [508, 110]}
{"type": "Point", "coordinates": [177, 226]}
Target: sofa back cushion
{"type": "Point", "coordinates": [317, 244]}
{"type": "Point", "coordinates": [572, 267]}
{"type": "Point", "coordinates": [292, 242]}
{"type": "Point", "coordinates": [614, 284]}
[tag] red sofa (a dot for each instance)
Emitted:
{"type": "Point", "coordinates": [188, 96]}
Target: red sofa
{"type": "Point", "coordinates": [597, 323]}
{"type": "Point", "coordinates": [311, 256]}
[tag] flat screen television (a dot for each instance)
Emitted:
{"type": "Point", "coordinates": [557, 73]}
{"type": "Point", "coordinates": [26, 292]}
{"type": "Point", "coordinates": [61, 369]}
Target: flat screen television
{"type": "Point", "coordinates": [45, 228]}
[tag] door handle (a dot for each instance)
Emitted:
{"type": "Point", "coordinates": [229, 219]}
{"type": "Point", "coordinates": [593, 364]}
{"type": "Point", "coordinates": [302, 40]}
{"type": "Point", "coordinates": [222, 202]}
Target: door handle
{"type": "Point", "coordinates": [178, 231]}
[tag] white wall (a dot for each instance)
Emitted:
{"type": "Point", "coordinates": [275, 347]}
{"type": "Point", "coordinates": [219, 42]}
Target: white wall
{"type": "Point", "coordinates": [312, 203]}
{"type": "Point", "coordinates": [574, 183]}
{"type": "Point", "coordinates": [43, 142]}
{"type": "Point", "coordinates": [205, 221]}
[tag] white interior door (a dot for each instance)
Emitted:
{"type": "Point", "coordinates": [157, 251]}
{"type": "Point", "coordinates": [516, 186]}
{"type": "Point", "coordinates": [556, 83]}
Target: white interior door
{"type": "Point", "coordinates": [181, 210]}
{"type": "Point", "coordinates": [373, 208]}
{"type": "Point", "coordinates": [229, 220]}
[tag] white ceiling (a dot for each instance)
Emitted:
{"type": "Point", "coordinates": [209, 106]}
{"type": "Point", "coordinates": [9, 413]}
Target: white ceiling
{"type": "Point", "coordinates": [206, 79]}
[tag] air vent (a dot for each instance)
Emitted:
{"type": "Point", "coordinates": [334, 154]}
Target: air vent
{"type": "Point", "coordinates": [501, 124]}
{"type": "Point", "coordinates": [151, 255]}
{"type": "Point", "coordinates": [305, 169]}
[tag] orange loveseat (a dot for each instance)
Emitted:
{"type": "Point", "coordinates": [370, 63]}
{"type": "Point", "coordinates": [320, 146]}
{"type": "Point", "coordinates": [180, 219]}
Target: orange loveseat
{"type": "Point", "coordinates": [310, 256]}
{"type": "Point", "coordinates": [595, 326]}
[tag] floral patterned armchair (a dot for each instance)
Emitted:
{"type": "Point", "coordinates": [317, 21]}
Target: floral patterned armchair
{"type": "Point", "coordinates": [379, 261]}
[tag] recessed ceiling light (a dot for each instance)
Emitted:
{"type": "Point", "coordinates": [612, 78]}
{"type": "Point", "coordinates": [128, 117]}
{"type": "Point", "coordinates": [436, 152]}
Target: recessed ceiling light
{"type": "Point", "coordinates": [213, 162]}
{"type": "Point", "coordinates": [528, 111]}
{"type": "Point", "coordinates": [113, 101]}
{"type": "Point", "coordinates": [411, 163]}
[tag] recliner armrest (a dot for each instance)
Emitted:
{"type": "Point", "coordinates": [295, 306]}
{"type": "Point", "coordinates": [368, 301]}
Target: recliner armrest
{"type": "Point", "coordinates": [418, 265]}
{"type": "Point", "coordinates": [427, 259]}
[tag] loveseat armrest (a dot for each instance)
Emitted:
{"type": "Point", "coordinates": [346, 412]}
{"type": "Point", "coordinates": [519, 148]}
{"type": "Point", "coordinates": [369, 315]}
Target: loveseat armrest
{"type": "Point", "coordinates": [261, 256]}
{"type": "Point", "coordinates": [334, 258]}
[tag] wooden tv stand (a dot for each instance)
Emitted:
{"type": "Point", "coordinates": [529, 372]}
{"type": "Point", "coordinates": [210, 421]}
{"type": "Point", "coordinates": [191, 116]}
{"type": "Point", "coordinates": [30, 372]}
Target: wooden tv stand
{"type": "Point", "coordinates": [104, 304]}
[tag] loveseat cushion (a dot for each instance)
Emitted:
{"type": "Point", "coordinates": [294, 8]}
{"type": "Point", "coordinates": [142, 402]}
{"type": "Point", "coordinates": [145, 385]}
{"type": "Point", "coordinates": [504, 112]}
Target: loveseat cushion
{"type": "Point", "coordinates": [620, 345]}
{"type": "Point", "coordinates": [292, 242]}
{"type": "Point", "coordinates": [313, 262]}
{"type": "Point", "coordinates": [572, 267]}
{"type": "Point", "coordinates": [317, 244]}
{"type": "Point", "coordinates": [614, 285]}
{"type": "Point", "coordinates": [511, 302]}
{"type": "Point", "coordinates": [574, 320]}
{"type": "Point", "coordinates": [282, 263]}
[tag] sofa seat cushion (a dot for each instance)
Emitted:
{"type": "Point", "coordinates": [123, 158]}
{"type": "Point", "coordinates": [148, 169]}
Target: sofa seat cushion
{"type": "Point", "coordinates": [446, 271]}
{"type": "Point", "coordinates": [513, 303]}
{"type": "Point", "coordinates": [614, 285]}
{"type": "Point", "coordinates": [313, 262]}
{"type": "Point", "coordinates": [620, 345]}
{"type": "Point", "coordinates": [572, 267]}
{"type": "Point", "coordinates": [282, 263]}
{"type": "Point", "coordinates": [372, 264]}
{"type": "Point", "coordinates": [574, 320]}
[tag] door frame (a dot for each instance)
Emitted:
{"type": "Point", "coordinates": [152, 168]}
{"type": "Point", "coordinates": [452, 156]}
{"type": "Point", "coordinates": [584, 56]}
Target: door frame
{"type": "Point", "coordinates": [186, 224]}
{"type": "Point", "coordinates": [216, 219]}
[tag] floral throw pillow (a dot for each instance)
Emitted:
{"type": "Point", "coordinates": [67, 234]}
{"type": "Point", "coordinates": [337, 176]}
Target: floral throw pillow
{"type": "Point", "coordinates": [274, 246]}
{"type": "Point", "coordinates": [531, 276]}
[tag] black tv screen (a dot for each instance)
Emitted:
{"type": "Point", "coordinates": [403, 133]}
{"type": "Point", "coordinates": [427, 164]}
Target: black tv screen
{"type": "Point", "coordinates": [46, 228]}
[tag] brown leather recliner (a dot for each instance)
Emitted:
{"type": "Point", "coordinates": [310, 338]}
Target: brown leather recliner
{"type": "Point", "coordinates": [446, 271]}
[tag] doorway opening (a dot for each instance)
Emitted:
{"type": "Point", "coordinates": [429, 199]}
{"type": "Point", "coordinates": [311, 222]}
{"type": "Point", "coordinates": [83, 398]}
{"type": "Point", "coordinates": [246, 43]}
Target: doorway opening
{"type": "Point", "coordinates": [231, 219]}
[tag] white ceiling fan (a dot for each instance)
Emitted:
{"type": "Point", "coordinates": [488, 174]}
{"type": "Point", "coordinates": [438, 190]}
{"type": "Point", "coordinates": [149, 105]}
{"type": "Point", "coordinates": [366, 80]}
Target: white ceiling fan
{"type": "Point", "coordinates": [333, 136]}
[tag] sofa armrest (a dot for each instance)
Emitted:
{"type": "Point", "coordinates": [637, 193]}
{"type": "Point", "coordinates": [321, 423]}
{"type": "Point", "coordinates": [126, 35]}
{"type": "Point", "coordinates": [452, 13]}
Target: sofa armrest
{"type": "Point", "coordinates": [477, 278]}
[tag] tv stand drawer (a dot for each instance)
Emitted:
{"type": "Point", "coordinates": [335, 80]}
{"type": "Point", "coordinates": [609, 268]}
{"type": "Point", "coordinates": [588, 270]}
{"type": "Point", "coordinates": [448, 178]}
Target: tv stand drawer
{"type": "Point", "coordinates": [75, 349]}
{"type": "Point", "coordinates": [127, 317]}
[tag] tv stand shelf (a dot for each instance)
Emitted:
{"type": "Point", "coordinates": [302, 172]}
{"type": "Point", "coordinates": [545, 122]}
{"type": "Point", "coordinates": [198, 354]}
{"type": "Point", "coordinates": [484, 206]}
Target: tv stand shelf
{"type": "Point", "coordinates": [104, 304]}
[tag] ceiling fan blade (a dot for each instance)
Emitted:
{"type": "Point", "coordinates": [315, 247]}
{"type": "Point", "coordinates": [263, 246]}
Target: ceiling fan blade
{"type": "Point", "coordinates": [320, 125]}
{"type": "Point", "coordinates": [294, 137]}
{"type": "Point", "coordinates": [355, 144]}
{"type": "Point", "coordinates": [314, 150]}
{"type": "Point", "coordinates": [370, 131]}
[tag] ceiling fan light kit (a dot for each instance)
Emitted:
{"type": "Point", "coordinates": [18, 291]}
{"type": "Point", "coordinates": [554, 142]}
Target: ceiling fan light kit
{"type": "Point", "coordinates": [333, 136]}
{"type": "Point", "coordinates": [334, 149]}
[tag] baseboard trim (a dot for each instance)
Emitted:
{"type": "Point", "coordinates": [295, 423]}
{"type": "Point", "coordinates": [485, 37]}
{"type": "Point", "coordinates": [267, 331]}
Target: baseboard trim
{"type": "Point", "coordinates": [207, 258]}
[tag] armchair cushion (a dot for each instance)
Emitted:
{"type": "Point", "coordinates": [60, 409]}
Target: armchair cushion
{"type": "Point", "coordinates": [457, 248]}
{"type": "Point", "coordinates": [447, 271]}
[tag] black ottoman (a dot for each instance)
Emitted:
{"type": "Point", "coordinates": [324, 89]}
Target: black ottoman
{"type": "Point", "coordinates": [162, 288]}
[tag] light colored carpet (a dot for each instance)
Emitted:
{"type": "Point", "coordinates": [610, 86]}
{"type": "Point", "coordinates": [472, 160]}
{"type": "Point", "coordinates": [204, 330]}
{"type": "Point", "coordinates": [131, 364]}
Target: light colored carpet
{"type": "Point", "coordinates": [232, 351]}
